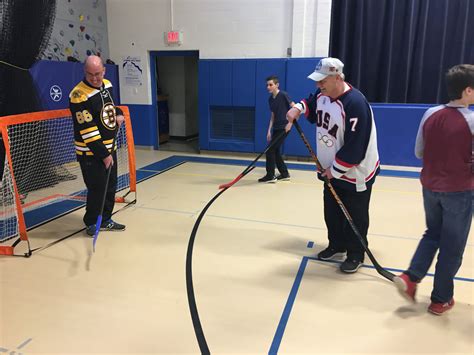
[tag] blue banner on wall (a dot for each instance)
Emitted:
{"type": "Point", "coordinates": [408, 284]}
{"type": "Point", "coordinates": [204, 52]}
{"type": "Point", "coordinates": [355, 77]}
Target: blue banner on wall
{"type": "Point", "coordinates": [54, 81]}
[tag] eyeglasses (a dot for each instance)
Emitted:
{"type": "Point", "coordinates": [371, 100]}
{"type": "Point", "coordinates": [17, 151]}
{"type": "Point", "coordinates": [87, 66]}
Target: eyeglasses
{"type": "Point", "coordinates": [95, 75]}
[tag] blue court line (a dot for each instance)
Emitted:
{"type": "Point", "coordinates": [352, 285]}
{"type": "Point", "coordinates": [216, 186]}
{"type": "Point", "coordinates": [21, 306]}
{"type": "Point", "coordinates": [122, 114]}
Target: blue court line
{"type": "Point", "coordinates": [51, 211]}
{"type": "Point", "coordinates": [294, 291]}
{"type": "Point", "coordinates": [457, 278]}
{"type": "Point", "coordinates": [39, 216]}
{"type": "Point", "coordinates": [287, 310]}
{"type": "Point", "coordinates": [164, 163]}
{"type": "Point", "coordinates": [240, 162]}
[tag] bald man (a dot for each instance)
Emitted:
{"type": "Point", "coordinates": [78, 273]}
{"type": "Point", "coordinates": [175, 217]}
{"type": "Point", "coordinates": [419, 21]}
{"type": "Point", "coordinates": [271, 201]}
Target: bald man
{"type": "Point", "coordinates": [96, 121]}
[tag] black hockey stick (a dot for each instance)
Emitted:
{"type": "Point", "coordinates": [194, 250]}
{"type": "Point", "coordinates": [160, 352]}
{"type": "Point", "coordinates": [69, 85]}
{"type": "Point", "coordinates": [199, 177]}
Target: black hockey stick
{"type": "Point", "coordinates": [99, 217]}
{"type": "Point", "coordinates": [251, 166]}
{"type": "Point", "coordinates": [385, 273]}
{"type": "Point", "coordinates": [189, 255]}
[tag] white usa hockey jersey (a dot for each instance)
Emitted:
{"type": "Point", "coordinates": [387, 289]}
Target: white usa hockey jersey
{"type": "Point", "coordinates": [346, 137]}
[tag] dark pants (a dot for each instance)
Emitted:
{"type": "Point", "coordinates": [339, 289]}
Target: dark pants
{"type": "Point", "coordinates": [340, 234]}
{"type": "Point", "coordinates": [273, 155]}
{"type": "Point", "coordinates": [448, 221]}
{"type": "Point", "coordinates": [95, 175]}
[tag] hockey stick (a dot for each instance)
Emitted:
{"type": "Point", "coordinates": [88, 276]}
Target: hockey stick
{"type": "Point", "coordinates": [189, 279]}
{"type": "Point", "coordinates": [251, 166]}
{"type": "Point", "coordinates": [189, 255]}
{"type": "Point", "coordinates": [99, 217]}
{"type": "Point", "coordinates": [385, 273]}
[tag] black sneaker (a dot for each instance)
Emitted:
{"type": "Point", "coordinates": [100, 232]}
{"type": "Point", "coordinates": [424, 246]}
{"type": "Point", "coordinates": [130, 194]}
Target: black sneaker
{"type": "Point", "coordinates": [281, 177]}
{"type": "Point", "coordinates": [268, 178]}
{"type": "Point", "coordinates": [331, 253]}
{"type": "Point", "coordinates": [350, 266]}
{"type": "Point", "coordinates": [90, 230]}
{"type": "Point", "coordinates": [110, 225]}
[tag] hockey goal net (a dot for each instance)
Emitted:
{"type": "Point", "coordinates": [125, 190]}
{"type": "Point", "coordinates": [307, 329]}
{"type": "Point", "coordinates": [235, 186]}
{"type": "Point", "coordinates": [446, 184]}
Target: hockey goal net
{"type": "Point", "coordinates": [41, 179]}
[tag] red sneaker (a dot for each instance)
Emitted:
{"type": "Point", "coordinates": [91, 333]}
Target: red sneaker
{"type": "Point", "coordinates": [406, 287]}
{"type": "Point", "coordinates": [440, 308]}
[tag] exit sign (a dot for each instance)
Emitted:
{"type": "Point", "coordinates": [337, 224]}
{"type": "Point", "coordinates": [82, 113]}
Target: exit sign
{"type": "Point", "coordinates": [173, 38]}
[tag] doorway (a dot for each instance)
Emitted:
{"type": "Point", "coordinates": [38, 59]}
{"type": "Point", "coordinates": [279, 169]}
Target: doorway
{"type": "Point", "coordinates": [175, 95]}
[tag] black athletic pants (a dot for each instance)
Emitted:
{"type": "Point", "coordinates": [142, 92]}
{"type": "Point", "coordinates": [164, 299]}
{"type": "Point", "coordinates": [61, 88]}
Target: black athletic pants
{"type": "Point", "coordinates": [273, 155]}
{"type": "Point", "coordinates": [340, 233]}
{"type": "Point", "coordinates": [94, 174]}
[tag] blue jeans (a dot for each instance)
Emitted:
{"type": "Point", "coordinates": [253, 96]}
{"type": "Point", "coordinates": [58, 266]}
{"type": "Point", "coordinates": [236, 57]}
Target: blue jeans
{"type": "Point", "coordinates": [448, 221]}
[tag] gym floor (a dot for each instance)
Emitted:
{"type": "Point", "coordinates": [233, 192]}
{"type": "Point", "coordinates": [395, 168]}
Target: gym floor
{"type": "Point", "coordinates": [257, 284]}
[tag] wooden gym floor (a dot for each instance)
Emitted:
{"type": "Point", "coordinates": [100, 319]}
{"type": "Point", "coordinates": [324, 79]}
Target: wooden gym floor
{"type": "Point", "coordinates": [258, 286]}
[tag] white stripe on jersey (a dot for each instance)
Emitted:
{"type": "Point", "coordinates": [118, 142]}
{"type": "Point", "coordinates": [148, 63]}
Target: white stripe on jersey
{"type": "Point", "coordinates": [91, 134]}
{"type": "Point", "coordinates": [82, 149]}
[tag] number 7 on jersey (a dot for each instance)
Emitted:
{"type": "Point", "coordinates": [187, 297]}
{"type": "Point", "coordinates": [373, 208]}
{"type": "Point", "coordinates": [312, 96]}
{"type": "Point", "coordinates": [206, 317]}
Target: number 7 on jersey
{"type": "Point", "coordinates": [354, 123]}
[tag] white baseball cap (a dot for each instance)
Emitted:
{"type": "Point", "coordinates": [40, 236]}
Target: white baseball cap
{"type": "Point", "coordinates": [325, 67]}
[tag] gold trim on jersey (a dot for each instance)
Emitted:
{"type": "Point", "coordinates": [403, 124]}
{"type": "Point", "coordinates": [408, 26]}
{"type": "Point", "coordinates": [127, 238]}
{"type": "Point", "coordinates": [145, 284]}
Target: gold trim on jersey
{"type": "Point", "coordinates": [90, 134]}
{"type": "Point", "coordinates": [81, 93]}
{"type": "Point", "coordinates": [89, 129]}
{"type": "Point", "coordinates": [92, 139]}
{"type": "Point", "coordinates": [78, 152]}
{"type": "Point", "coordinates": [107, 83]}
{"type": "Point", "coordinates": [89, 153]}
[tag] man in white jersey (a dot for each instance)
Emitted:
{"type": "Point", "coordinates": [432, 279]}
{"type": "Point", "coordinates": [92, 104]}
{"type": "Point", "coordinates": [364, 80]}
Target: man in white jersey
{"type": "Point", "coordinates": [347, 149]}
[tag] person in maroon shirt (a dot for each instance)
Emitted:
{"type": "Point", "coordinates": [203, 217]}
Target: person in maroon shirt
{"type": "Point", "coordinates": [445, 143]}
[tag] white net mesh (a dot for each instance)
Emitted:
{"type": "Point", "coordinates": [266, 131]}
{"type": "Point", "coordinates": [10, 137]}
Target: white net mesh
{"type": "Point", "coordinates": [8, 211]}
{"type": "Point", "coordinates": [47, 174]}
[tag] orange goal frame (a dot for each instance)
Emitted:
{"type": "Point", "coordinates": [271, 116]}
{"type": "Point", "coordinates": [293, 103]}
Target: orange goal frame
{"type": "Point", "coordinates": [43, 116]}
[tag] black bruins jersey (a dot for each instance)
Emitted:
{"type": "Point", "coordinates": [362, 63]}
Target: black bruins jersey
{"type": "Point", "coordinates": [94, 116]}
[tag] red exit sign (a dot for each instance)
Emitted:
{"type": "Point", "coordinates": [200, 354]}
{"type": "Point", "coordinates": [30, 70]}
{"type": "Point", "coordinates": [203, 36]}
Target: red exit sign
{"type": "Point", "coordinates": [173, 37]}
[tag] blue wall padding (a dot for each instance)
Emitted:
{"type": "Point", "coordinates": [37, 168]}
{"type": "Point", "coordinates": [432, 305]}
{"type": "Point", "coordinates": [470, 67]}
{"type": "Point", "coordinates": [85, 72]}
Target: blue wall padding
{"type": "Point", "coordinates": [299, 87]}
{"type": "Point", "coordinates": [232, 146]}
{"type": "Point", "coordinates": [243, 83]}
{"type": "Point", "coordinates": [220, 87]}
{"type": "Point", "coordinates": [204, 103]}
{"type": "Point", "coordinates": [144, 125]}
{"type": "Point", "coordinates": [65, 75]}
{"type": "Point", "coordinates": [230, 83]}
{"type": "Point", "coordinates": [397, 126]}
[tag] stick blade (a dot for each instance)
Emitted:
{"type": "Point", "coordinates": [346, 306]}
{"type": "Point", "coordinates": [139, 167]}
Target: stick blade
{"type": "Point", "coordinates": [229, 184]}
{"type": "Point", "coordinates": [225, 186]}
{"type": "Point", "coordinates": [97, 230]}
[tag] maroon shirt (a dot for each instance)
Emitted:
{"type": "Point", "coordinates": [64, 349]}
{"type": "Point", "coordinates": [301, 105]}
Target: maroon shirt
{"type": "Point", "coordinates": [445, 142]}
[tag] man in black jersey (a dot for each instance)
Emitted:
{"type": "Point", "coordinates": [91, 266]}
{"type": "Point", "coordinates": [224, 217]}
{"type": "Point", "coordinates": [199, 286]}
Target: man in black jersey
{"type": "Point", "coordinates": [96, 121]}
